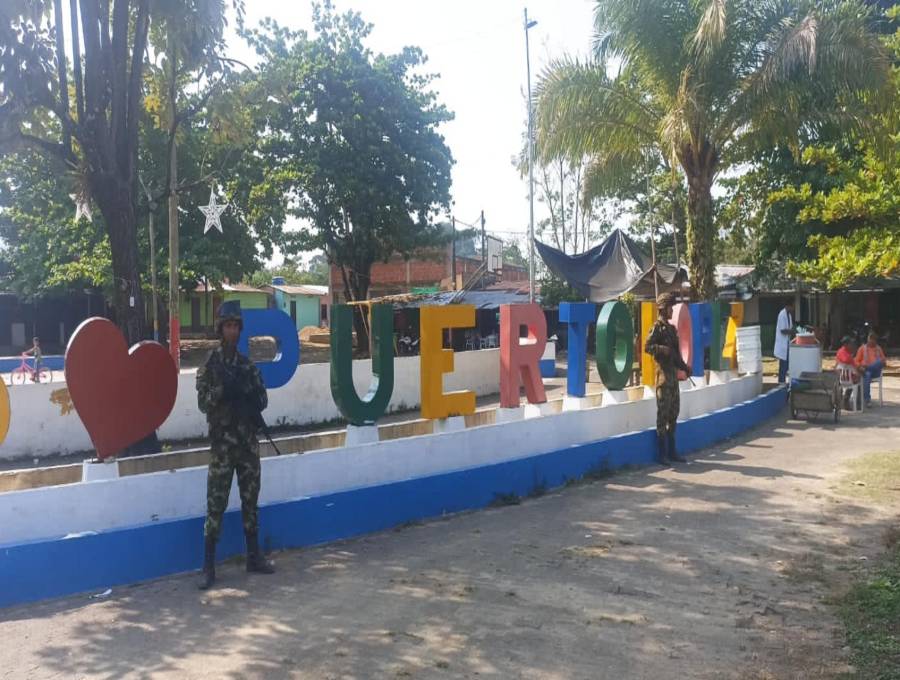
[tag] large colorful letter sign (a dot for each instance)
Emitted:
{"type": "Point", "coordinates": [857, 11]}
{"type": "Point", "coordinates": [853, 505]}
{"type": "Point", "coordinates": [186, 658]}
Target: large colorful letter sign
{"type": "Point", "coordinates": [735, 321]}
{"type": "Point", "coordinates": [701, 331]}
{"type": "Point", "coordinates": [579, 316]}
{"type": "Point", "coordinates": [435, 361]}
{"type": "Point", "coordinates": [681, 319]}
{"type": "Point", "coordinates": [121, 395]}
{"type": "Point", "coordinates": [520, 357]}
{"type": "Point", "coordinates": [648, 363]}
{"type": "Point", "coordinates": [721, 314]}
{"type": "Point", "coordinates": [277, 324]}
{"type": "Point", "coordinates": [615, 345]}
{"type": "Point", "coordinates": [4, 411]}
{"type": "Point", "coordinates": [369, 409]}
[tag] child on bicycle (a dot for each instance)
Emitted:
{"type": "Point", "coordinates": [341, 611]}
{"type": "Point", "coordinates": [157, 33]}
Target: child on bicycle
{"type": "Point", "coordinates": [35, 351]}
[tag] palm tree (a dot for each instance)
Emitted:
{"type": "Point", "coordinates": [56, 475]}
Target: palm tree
{"type": "Point", "coordinates": [699, 84]}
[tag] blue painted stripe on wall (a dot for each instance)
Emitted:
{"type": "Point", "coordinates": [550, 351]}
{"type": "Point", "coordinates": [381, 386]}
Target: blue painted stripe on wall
{"type": "Point", "coordinates": [38, 570]}
{"type": "Point", "coordinates": [52, 361]}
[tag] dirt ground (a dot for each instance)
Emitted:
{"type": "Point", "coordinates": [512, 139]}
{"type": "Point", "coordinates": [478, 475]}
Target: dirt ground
{"type": "Point", "coordinates": [722, 568]}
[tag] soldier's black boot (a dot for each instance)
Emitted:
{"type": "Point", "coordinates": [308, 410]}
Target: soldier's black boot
{"type": "Point", "coordinates": [673, 452]}
{"type": "Point", "coordinates": [256, 562]}
{"type": "Point", "coordinates": [209, 565]}
{"type": "Point", "coordinates": [662, 450]}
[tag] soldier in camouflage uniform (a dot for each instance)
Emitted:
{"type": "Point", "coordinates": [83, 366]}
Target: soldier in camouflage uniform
{"type": "Point", "coordinates": [231, 393]}
{"type": "Point", "coordinates": [662, 345]}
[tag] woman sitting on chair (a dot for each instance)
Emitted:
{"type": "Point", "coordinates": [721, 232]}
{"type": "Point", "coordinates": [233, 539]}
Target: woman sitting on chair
{"type": "Point", "coordinates": [846, 360]}
{"type": "Point", "coordinates": [870, 361]}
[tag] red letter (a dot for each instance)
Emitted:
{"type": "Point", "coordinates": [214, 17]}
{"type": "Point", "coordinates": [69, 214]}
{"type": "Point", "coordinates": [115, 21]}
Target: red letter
{"type": "Point", "coordinates": [519, 357]}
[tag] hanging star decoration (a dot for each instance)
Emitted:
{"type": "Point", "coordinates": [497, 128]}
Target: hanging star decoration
{"type": "Point", "coordinates": [82, 207]}
{"type": "Point", "coordinates": [213, 213]}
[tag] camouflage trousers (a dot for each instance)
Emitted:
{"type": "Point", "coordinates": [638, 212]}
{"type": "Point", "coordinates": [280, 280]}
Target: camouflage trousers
{"type": "Point", "coordinates": [227, 457]}
{"type": "Point", "coordinates": [668, 404]}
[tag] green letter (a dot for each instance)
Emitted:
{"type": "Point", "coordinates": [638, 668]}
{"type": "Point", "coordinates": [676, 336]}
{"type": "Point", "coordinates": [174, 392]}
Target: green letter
{"type": "Point", "coordinates": [370, 408]}
{"type": "Point", "coordinates": [615, 345]}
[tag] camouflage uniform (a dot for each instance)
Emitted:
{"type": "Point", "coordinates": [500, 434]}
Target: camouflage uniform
{"type": "Point", "coordinates": [233, 434]}
{"type": "Point", "coordinates": [668, 397]}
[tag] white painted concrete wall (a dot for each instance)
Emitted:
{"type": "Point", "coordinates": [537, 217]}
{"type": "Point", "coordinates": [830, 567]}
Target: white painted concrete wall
{"type": "Point", "coordinates": [102, 505]}
{"type": "Point", "coordinates": [38, 429]}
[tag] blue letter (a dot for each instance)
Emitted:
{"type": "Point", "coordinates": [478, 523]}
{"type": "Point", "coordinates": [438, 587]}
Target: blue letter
{"type": "Point", "coordinates": [579, 316]}
{"type": "Point", "coordinates": [701, 327]}
{"type": "Point", "coordinates": [277, 324]}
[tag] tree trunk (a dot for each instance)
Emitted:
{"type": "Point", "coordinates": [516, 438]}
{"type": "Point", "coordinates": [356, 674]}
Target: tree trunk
{"type": "Point", "coordinates": [360, 286]}
{"type": "Point", "coordinates": [114, 200]}
{"type": "Point", "coordinates": [701, 230]}
{"type": "Point", "coordinates": [356, 287]}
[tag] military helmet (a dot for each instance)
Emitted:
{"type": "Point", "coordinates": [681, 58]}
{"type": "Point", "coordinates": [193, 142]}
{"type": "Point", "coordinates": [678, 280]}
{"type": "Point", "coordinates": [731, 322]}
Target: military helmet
{"type": "Point", "coordinates": [666, 300]}
{"type": "Point", "coordinates": [229, 311]}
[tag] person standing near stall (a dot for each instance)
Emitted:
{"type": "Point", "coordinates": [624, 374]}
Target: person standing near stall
{"type": "Point", "coordinates": [784, 330]}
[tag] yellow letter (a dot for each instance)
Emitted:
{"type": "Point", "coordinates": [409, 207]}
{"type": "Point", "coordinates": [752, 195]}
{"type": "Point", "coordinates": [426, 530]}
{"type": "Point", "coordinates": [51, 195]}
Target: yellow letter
{"type": "Point", "coordinates": [734, 322]}
{"type": "Point", "coordinates": [435, 361]}
{"type": "Point", "coordinates": [648, 363]}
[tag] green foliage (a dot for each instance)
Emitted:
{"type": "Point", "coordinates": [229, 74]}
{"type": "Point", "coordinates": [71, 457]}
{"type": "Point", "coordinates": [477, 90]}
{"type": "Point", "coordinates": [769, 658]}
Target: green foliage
{"type": "Point", "coordinates": [351, 138]}
{"type": "Point", "coordinates": [45, 251]}
{"type": "Point", "coordinates": [871, 612]}
{"type": "Point", "coordinates": [96, 127]}
{"type": "Point", "coordinates": [512, 253]}
{"type": "Point", "coordinates": [555, 290]}
{"type": "Point", "coordinates": [704, 86]}
{"type": "Point", "coordinates": [317, 273]}
{"type": "Point", "coordinates": [864, 254]}
{"type": "Point", "coordinates": [855, 209]}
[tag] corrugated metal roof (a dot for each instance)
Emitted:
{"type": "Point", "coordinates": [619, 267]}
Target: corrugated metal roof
{"type": "Point", "coordinates": [480, 299]}
{"type": "Point", "coordinates": [304, 289]}
{"type": "Point", "coordinates": [229, 288]}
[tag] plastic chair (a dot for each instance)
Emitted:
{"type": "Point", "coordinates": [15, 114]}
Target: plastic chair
{"type": "Point", "coordinates": [845, 378]}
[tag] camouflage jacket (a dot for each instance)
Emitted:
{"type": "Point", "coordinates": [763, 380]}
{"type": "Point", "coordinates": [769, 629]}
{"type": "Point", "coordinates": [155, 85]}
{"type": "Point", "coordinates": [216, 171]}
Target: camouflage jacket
{"type": "Point", "coordinates": [663, 334]}
{"type": "Point", "coordinates": [224, 412]}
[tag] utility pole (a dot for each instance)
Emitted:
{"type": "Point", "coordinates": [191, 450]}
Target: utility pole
{"type": "Point", "coordinates": [153, 271]}
{"type": "Point", "coordinates": [174, 322]}
{"type": "Point", "coordinates": [652, 240]}
{"type": "Point", "coordinates": [483, 250]}
{"type": "Point", "coordinates": [453, 251]}
{"type": "Point", "coordinates": [562, 203]}
{"type": "Point", "coordinates": [530, 24]}
{"type": "Point", "coordinates": [151, 207]}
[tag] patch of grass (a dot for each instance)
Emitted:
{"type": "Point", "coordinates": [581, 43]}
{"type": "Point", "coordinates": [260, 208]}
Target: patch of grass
{"type": "Point", "coordinates": [871, 615]}
{"type": "Point", "coordinates": [875, 476]}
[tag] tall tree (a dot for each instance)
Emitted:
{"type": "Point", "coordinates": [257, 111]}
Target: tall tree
{"type": "Point", "coordinates": [351, 137]}
{"type": "Point", "coordinates": [103, 123]}
{"type": "Point", "coordinates": [96, 136]}
{"type": "Point", "coordinates": [702, 83]}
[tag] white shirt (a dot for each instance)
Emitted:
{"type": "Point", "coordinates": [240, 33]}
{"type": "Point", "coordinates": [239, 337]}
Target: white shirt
{"type": "Point", "coordinates": [785, 323]}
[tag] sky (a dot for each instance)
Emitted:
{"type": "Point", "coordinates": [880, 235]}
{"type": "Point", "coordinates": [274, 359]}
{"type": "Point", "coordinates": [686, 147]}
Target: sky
{"type": "Point", "coordinates": [477, 48]}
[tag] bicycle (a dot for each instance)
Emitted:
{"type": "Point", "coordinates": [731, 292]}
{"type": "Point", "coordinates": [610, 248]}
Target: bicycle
{"type": "Point", "coordinates": [19, 375]}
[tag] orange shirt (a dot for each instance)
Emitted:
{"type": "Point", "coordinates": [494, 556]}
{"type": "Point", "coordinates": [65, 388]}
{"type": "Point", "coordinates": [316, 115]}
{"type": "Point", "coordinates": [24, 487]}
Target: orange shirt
{"type": "Point", "coordinates": [869, 355]}
{"type": "Point", "coordinates": [844, 356]}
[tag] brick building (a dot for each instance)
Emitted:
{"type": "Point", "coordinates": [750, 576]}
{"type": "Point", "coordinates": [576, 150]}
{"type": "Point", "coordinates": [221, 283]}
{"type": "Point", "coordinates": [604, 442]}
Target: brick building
{"type": "Point", "coordinates": [432, 271]}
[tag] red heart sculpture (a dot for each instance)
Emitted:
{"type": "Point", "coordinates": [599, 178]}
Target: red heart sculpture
{"type": "Point", "coordinates": [121, 395]}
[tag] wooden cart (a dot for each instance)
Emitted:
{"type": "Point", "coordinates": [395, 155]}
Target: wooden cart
{"type": "Point", "coordinates": [814, 394]}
